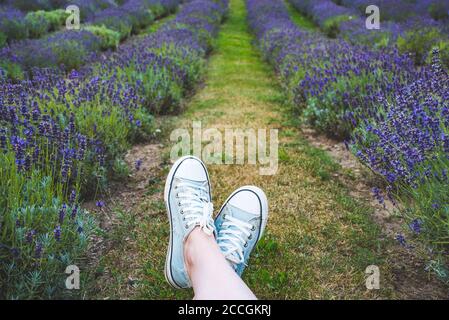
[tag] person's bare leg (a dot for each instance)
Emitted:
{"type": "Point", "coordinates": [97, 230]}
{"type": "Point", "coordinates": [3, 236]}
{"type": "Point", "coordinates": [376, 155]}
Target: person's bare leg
{"type": "Point", "coordinates": [211, 275]}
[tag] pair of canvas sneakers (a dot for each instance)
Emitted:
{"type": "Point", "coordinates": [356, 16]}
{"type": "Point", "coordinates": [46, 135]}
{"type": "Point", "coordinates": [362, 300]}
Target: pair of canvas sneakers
{"type": "Point", "coordinates": [237, 228]}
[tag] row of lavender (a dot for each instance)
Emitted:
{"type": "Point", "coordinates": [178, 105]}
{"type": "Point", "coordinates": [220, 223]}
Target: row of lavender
{"type": "Point", "coordinates": [24, 19]}
{"type": "Point", "coordinates": [62, 138]}
{"type": "Point", "coordinates": [394, 117]}
{"type": "Point", "coordinates": [73, 48]}
{"type": "Point", "coordinates": [413, 27]}
{"type": "Point", "coordinates": [402, 10]}
{"type": "Point", "coordinates": [89, 7]}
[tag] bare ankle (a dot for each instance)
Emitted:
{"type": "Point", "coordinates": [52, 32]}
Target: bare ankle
{"type": "Point", "coordinates": [193, 244]}
{"type": "Point", "coordinates": [189, 247]}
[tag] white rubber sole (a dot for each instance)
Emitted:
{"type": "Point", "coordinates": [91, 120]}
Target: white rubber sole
{"type": "Point", "coordinates": [168, 182]}
{"type": "Point", "coordinates": [263, 202]}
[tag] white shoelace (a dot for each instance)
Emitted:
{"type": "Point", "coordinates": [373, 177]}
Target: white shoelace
{"type": "Point", "coordinates": [233, 237]}
{"type": "Point", "coordinates": [195, 207]}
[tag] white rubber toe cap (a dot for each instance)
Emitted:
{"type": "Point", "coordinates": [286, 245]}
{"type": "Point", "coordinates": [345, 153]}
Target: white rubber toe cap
{"type": "Point", "coordinates": [251, 202]}
{"type": "Point", "coordinates": [191, 169]}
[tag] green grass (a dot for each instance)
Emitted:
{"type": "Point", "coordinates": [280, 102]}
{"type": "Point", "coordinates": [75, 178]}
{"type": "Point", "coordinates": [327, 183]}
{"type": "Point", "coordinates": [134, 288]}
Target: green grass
{"type": "Point", "coordinates": [158, 23]}
{"type": "Point", "coordinates": [318, 241]}
{"type": "Point", "coordinates": [299, 19]}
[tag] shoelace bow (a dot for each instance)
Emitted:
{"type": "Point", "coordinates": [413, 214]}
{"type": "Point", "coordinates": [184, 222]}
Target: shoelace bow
{"type": "Point", "coordinates": [233, 238]}
{"type": "Point", "coordinates": [195, 207]}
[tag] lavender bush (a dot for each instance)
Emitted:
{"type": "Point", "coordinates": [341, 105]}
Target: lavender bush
{"type": "Point", "coordinates": [41, 22]}
{"type": "Point", "coordinates": [402, 10]}
{"type": "Point", "coordinates": [325, 13]}
{"type": "Point", "coordinates": [133, 15]}
{"type": "Point", "coordinates": [71, 49]}
{"type": "Point", "coordinates": [348, 22]}
{"type": "Point", "coordinates": [409, 146]}
{"type": "Point", "coordinates": [421, 37]}
{"type": "Point", "coordinates": [164, 65]}
{"type": "Point", "coordinates": [42, 226]}
{"type": "Point", "coordinates": [333, 82]}
{"type": "Point", "coordinates": [403, 24]}
{"type": "Point", "coordinates": [116, 19]}
{"type": "Point", "coordinates": [30, 5]}
{"type": "Point", "coordinates": [23, 19]}
{"type": "Point", "coordinates": [87, 7]}
{"type": "Point", "coordinates": [12, 24]}
{"type": "Point", "coordinates": [407, 25]}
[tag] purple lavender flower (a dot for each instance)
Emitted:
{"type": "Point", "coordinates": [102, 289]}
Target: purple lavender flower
{"type": "Point", "coordinates": [15, 252]}
{"type": "Point", "coordinates": [74, 212]}
{"type": "Point", "coordinates": [416, 226]}
{"type": "Point", "coordinates": [435, 206]}
{"type": "Point", "coordinates": [378, 195]}
{"type": "Point", "coordinates": [38, 250]}
{"type": "Point", "coordinates": [30, 235]}
{"type": "Point", "coordinates": [82, 146]}
{"type": "Point", "coordinates": [401, 239]}
{"type": "Point", "coordinates": [138, 164]}
{"type": "Point", "coordinates": [100, 203]}
{"type": "Point", "coordinates": [62, 213]}
{"type": "Point", "coordinates": [57, 232]}
{"type": "Point", "coordinates": [74, 75]}
{"type": "Point", "coordinates": [72, 197]}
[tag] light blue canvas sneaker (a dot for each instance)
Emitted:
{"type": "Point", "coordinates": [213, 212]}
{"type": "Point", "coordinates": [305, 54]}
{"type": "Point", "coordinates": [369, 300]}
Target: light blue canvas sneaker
{"type": "Point", "coordinates": [189, 204]}
{"type": "Point", "coordinates": [240, 225]}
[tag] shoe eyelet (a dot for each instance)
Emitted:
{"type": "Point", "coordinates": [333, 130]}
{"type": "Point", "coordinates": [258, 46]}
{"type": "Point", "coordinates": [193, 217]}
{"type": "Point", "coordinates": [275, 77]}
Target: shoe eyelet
{"type": "Point", "coordinates": [246, 244]}
{"type": "Point", "coordinates": [187, 227]}
{"type": "Point", "coordinates": [253, 228]}
{"type": "Point", "coordinates": [179, 203]}
{"type": "Point", "coordinates": [182, 211]}
{"type": "Point", "coordinates": [250, 237]}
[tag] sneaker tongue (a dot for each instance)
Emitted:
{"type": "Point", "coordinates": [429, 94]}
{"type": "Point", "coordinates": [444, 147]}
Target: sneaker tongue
{"type": "Point", "coordinates": [242, 215]}
{"type": "Point", "coordinates": [194, 182]}
{"type": "Point", "coordinates": [197, 184]}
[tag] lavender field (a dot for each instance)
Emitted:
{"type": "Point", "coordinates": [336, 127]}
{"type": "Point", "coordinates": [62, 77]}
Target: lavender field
{"type": "Point", "coordinates": [362, 112]}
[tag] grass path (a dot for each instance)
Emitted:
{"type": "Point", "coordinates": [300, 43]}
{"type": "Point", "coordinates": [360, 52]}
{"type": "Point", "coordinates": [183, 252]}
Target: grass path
{"type": "Point", "coordinates": [298, 18]}
{"type": "Point", "coordinates": [159, 22]}
{"type": "Point", "coordinates": [318, 240]}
